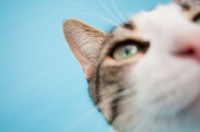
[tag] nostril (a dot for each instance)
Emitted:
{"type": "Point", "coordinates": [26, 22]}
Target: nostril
{"type": "Point", "coordinates": [188, 46]}
{"type": "Point", "coordinates": [186, 52]}
{"type": "Point", "coordinates": [189, 51]}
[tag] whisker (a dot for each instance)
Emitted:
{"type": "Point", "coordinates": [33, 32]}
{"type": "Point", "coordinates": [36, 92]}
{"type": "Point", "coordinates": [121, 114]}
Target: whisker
{"type": "Point", "coordinates": [114, 97]}
{"type": "Point", "coordinates": [175, 123]}
{"type": "Point", "coordinates": [95, 13]}
{"type": "Point", "coordinates": [93, 16]}
{"type": "Point", "coordinates": [76, 122]}
{"type": "Point", "coordinates": [124, 102]}
{"type": "Point", "coordinates": [109, 11]}
{"type": "Point", "coordinates": [117, 10]}
{"type": "Point", "coordinates": [72, 125]}
{"type": "Point", "coordinates": [79, 106]}
{"type": "Point", "coordinates": [100, 125]}
{"type": "Point", "coordinates": [142, 123]}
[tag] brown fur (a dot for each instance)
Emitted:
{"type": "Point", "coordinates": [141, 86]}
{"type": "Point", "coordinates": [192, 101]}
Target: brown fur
{"type": "Point", "coordinates": [81, 37]}
{"type": "Point", "coordinates": [106, 76]}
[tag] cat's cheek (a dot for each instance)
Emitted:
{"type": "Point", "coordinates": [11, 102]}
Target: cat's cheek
{"type": "Point", "coordinates": [165, 86]}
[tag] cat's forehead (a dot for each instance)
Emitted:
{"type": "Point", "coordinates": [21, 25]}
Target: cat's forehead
{"type": "Point", "coordinates": [158, 17]}
{"type": "Point", "coordinates": [159, 24]}
{"type": "Point", "coordinates": [166, 14]}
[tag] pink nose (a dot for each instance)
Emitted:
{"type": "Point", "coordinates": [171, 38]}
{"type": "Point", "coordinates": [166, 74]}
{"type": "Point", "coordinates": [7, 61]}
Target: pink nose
{"type": "Point", "coordinates": [189, 46]}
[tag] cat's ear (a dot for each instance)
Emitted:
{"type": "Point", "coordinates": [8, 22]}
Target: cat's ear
{"type": "Point", "coordinates": [85, 42]}
{"type": "Point", "coordinates": [183, 1]}
{"type": "Point", "coordinates": [178, 1]}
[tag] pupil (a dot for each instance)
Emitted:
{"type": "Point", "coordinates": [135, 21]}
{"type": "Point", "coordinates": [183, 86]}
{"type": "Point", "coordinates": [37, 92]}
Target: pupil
{"type": "Point", "coordinates": [127, 51]}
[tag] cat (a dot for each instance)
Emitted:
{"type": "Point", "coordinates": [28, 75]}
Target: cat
{"type": "Point", "coordinates": [144, 74]}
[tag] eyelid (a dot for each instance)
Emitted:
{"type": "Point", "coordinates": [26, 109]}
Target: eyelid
{"type": "Point", "coordinates": [143, 46]}
{"type": "Point", "coordinates": [197, 16]}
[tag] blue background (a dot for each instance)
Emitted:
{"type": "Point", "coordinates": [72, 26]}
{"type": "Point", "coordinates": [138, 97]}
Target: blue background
{"type": "Point", "coordinates": [42, 87]}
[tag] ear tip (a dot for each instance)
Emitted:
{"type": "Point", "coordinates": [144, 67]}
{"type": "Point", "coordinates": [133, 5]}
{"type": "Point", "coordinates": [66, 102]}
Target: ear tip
{"type": "Point", "coordinates": [70, 21]}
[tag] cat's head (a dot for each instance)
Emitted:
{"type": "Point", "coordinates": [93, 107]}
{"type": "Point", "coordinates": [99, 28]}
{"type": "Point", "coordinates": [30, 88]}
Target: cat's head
{"type": "Point", "coordinates": [144, 75]}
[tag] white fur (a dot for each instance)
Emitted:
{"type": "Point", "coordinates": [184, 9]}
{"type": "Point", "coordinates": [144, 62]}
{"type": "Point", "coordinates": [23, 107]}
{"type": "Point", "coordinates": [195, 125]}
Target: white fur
{"type": "Point", "coordinates": [165, 83]}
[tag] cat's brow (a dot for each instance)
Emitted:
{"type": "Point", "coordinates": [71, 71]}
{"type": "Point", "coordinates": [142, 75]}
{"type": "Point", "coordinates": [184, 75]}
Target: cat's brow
{"type": "Point", "coordinates": [185, 6]}
{"type": "Point", "coordinates": [128, 26]}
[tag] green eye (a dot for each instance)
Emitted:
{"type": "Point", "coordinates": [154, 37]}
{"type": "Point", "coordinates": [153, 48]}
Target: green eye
{"type": "Point", "coordinates": [128, 48]}
{"type": "Point", "coordinates": [125, 51]}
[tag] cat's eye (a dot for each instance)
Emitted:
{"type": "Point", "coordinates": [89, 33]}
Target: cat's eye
{"type": "Point", "coordinates": [196, 19]}
{"type": "Point", "coordinates": [127, 49]}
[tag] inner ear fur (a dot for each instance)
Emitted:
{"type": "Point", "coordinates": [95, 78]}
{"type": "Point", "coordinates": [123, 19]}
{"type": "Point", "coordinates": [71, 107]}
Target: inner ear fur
{"type": "Point", "coordinates": [85, 42]}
